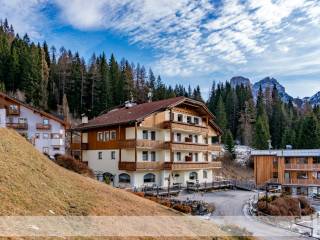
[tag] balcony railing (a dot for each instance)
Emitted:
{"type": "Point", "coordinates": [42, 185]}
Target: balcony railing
{"type": "Point", "coordinates": [19, 126]}
{"type": "Point", "coordinates": [191, 165]}
{"type": "Point", "coordinates": [133, 166]}
{"type": "Point", "coordinates": [84, 146]}
{"type": "Point", "coordinates": [302, 182]}
{"type": "Point", "coordinates": [302, 167]}
{"type": "Point", "coordinates": [57, 142]}
{"type": "Point", "coordinates": [41, 126]}
{"type": "Point", "coordinates": [185, 127]}
{"type": "Point", "coordinates": [11, 111]}
{"type": "Point", "coordinates": [186, 146]}
{"type": "Point", "coordinates": [143, 144]}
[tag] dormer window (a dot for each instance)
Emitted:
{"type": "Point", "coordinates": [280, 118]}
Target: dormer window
{"type": "Point", "coordinates": [45, 121]}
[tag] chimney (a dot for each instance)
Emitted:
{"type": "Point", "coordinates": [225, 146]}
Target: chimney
{"type": "Point", "coordinates": [84, 119]}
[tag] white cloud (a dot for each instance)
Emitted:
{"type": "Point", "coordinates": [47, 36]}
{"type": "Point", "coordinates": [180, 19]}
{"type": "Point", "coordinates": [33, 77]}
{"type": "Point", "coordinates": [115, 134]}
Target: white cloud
{"type": "Point", "coordinates": [25, 16]}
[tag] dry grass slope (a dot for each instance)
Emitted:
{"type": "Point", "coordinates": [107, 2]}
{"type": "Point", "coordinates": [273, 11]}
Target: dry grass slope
{"type": "Point", "coordinates": [30, 184]}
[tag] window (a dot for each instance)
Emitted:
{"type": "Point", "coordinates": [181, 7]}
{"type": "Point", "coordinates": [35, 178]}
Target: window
{"type": "Point", "coordinates": [214, 139]}
{"type": "Point", "coordinates": [196, 157]}
{"type": "Point", "coordinates": [205, 174]}
{"type": "Point", "coordinates": [189, 119]}
{"type": "Point", "coordinates": [45, 150]}
{"type": "Point", "coordinates": [99, 155]}
{"type": "Point", "coordinates": [196, 120]}
{"type": "Point", "coordinates": [56, 148]}
{"type": "Point", "coordinates": [149, 178]}
{"type": "Point", "coordinates": [37, 135]}
{"type": "Point", "coordinates": [145, 134]}
{"type": "Point", "coordinates": [302, 160]}
{"type": "Point", "coordinates": [302, 175]}
{"type": "Point", "coordinates": [45, 136]}
{"type": "Point", "coordinates": [113, 135]}
{"type": "Point", "coordinates": [287, 160]}
{"type": "Point", "coordinates": [45, 121]}
{"type": "Point", "coordinates": [178, 156]}
{"type": "Point", "coordinates": [153, 156]}
{"type": "Point", "coordinates": [145, 156]}
{"type": "Point", "coordinates": [106, 136]}
{"type": "Point", "coordinates": [172, 116]}
{"type": "Point", "coordinates": [22, 120]}
{"type": "Point", "coordinates": [180, 117]}
{"type": "Point", "coordinates": [196, 138]}
{"type": "Point", "coordinates": [153, 135]}
{"type": "Point", "coordinates": [55, 136]}
{"type": "Point", "coordinates": [275, 175]}
{"type": "Point", "coordinates": [100, 136]}
{"type": "Point", "coordinates": [124, 178]}
{"type": "Point", "coordinates": [178, 137]}
{"type": "Point", "coordinates": [13, 107]}
{"type": "Point", "coordinates": [316, 160]}
{"type": "Point", "coordinates": [286, 175]}
{"type": "Point", "coordinates": [193, 176]}
{"type": "Point", "coordinates": [113, 155]}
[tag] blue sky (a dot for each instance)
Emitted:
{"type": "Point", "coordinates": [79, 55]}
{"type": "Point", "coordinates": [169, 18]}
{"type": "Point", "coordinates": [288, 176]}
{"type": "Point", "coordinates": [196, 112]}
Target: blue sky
{"type": "Point", "coordinates": [187, 42]}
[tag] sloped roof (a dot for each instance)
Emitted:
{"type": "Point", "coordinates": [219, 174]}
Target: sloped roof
{"type": "Point", "coordinates": [43, 113]}
{"type": "Point", "coordinates": [138, 112]}
{"type": "Point", "coordinates": [287, 153]}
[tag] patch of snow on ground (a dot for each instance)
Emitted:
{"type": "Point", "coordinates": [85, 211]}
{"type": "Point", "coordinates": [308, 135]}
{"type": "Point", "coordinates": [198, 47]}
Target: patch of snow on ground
{"type": "Point", "coordinates": [242, 154]}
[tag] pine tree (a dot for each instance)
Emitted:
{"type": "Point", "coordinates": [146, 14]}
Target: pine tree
{"type": "Point", "coordinates": [221, 115]}
{"type": "Point", "coordinates": [310, 133]}
{"type": "Point", "coordinates": [229, 143]}
{"type": "Point", "coordinates": [261, 134]}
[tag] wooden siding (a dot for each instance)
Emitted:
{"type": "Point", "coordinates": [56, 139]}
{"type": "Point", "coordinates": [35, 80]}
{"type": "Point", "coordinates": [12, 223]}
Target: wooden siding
{"type": "Point", "coordinates": [263, 168]}
{"type": "Point", "coordinates": [134, 166]}
{"type": "Point", "coordinates": [185, 127]}
{"type": "Point", "coordinates": [155, 120]}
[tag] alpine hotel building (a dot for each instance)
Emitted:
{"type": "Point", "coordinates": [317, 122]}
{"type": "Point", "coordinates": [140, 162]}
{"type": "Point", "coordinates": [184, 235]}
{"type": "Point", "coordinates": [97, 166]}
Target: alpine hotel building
{"type": "Point", "coordinates": [156, 143]}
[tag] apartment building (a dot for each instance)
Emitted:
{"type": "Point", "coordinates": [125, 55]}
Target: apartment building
{"type": "Point", "coordinates": [164, 142]}
{"type": "Point", "coordinates": [45, 131]}
{"type": "Point", "coordinates": [298, 171]}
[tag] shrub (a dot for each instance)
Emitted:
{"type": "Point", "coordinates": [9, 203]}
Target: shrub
{"type": "Point", "coordinates": [183, 208]}
{"type": "Point", "coordinates": [74, 165]}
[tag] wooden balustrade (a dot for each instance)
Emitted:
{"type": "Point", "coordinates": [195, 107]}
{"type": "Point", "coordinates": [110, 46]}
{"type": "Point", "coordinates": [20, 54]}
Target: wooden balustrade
{"type": "Point", "coordinates": [185, 127]}
{"type": "Point", "coordinates": [41, 126]}
{"type": "Point", "coordinates": [191, 165]}
{"type": "Point", "coordinates": [143, 144]}
{"type": "Point", "coordinates": [302, 167]}
{"type": "Point", "coordinates": [133, 166]}
{"type": "Point", "coordinates": [19, 126]}
{"type": "Point", "coordinates": [13, 111]}
{"type": "Point", "coordinates": [302, 181]}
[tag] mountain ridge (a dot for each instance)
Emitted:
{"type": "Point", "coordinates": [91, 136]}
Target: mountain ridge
{"type": "Point", "coordinates": [269, 82]}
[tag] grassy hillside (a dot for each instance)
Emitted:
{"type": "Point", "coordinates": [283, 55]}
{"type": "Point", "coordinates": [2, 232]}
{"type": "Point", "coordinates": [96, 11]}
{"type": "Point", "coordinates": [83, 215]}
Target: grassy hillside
{"type": "Point", "coordinates": [30, 184]}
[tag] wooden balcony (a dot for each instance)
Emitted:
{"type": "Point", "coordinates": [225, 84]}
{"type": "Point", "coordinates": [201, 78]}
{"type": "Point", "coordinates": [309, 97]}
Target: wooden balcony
{"type": "Point", "coordinates": [302, 167]}
{"type": "Point", "coordinates": [215, 147]}
{"type": "Point", "coordinates": [41, 126]}
{"type": "Point", "coordinates": [302, 182]}
{"type": "Point", "coordinates": [75, 146]}
{"type": "Point", "coordinates": [143, 144]}
{"type": "Point", "coordinates": [186, 146]}
{"type": "Point", "coordinates": [84, 146]}
{"type": "Point", "coordinates": [18, 126]}
{"type": "Point", "coordinates": [185, 127]}
{"type": "Point", "coordinates": [134, 166]}
{"type": "Point", "coordinates": [12, 111]}
{"type": "Point", "coordinates": [176, 166]}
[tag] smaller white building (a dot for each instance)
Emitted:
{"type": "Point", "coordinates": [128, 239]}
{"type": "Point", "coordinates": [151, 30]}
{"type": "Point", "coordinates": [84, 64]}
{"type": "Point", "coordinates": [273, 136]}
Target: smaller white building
{"type": "Point", "coordinates": [45, 131]}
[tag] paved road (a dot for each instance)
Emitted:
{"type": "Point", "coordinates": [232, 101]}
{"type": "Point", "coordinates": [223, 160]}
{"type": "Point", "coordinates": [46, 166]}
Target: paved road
{"type": "Point", "coordinates": [230, 210]}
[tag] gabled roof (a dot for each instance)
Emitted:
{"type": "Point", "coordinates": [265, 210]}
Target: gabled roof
{"type": "Point", "coordinates": [287, 153]}
{"type": "Point", "coordinates": [137, 113]}
{"type": "Point", "coordinates": [43, 113]}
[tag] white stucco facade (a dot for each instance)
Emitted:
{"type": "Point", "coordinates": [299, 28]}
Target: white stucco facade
{"type": "Point", "coordinates": [49, 140]}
